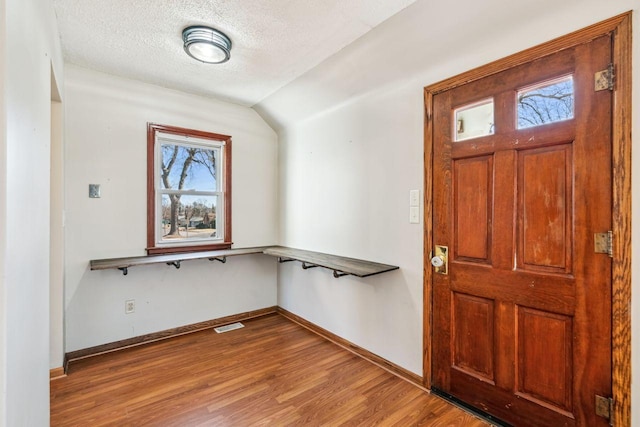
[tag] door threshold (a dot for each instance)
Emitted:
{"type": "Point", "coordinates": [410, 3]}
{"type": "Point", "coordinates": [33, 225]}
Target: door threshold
{"type": "Point", "coordinates": [494, 421]}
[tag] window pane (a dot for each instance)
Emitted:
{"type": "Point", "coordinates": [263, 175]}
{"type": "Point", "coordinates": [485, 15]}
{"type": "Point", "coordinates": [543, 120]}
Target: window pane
{"type": "Point", "coordinates": [187, 217]}
{"type": "Point", "coordinates": [189, 168]}
{"type": "Point", "coordinates": [548, 102]}
{"type": "Point", "coordinates": [475, 120]}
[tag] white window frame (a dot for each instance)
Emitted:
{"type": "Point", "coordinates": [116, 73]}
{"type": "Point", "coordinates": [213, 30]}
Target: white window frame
{"type": "Point", "coordinates": [187, 141]}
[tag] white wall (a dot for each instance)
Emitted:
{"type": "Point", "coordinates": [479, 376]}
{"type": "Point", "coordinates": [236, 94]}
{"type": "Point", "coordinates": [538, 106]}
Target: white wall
{"type": "Point", "coordinates": [345, 181]}
{"type": "Point", "coordinates": [3, 217]}
{"type": "Point", "coordinates": [351, 134]}
{"type": "Point", "coordinates": [105, 135]}
{"type": "Point", "coordinates": [27, 60]}
{"type": "Point", "coordinates": [56, 218]}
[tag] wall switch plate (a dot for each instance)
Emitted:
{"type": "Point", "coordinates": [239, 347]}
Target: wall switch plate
{"type": "Point", "coordinates": [414, 198]}
{"type": "Point", "coordinates": [94, 191]}
{"type": "Point", "coordinates": [129, 306]}
{"type": "Point", "coordinates": [414, 215]}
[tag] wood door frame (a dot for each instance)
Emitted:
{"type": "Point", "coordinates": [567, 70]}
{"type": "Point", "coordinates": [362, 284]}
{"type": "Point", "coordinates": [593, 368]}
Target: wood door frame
{"type": "Point", "coordinates": [620, 28]}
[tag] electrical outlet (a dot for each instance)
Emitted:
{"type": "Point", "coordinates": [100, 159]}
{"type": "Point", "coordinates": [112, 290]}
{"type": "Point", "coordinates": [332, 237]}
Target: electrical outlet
{"type": "Point", "coordinates": [129, 306]}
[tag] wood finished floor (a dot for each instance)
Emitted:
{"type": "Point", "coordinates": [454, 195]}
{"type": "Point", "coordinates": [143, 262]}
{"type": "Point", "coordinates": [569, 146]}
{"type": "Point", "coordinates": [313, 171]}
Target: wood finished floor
{"type": "Point", "coordinates": [272, 372]}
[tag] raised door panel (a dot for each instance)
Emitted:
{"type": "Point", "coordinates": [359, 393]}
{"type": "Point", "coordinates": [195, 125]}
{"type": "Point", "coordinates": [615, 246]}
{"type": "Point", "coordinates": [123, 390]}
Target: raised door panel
{"type": "Point", "coordinates": [545, 209]}
{"type": "Point", "coordinates": [545, 359]}
{"type": "Point", "coordinates": [473, 185]}
{"type": "Point", "coordinates": [473, 336]}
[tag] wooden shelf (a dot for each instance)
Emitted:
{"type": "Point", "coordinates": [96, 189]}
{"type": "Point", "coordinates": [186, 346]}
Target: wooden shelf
{"type": "Point", "coordinates": [123, 264]}
{"type": "Point", "coordinates": [340, 265]}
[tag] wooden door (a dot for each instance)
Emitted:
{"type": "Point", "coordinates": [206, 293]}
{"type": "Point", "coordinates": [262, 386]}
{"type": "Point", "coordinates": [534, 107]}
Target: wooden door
{"type": "Point", "coordinates": [522, 320]}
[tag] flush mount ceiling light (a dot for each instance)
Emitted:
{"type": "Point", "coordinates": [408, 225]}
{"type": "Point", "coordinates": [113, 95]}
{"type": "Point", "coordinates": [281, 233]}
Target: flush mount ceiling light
{"type": "Point", "coordinates": [206, 44]}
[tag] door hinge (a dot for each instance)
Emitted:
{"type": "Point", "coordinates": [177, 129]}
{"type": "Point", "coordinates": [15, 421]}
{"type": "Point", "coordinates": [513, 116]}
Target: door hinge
{"type": "Point", "coordinates": [604, 408]}
{"type": "Point", "coordinates": [603, 243]}
{"type": "Point", "coordinates": [605, 79]}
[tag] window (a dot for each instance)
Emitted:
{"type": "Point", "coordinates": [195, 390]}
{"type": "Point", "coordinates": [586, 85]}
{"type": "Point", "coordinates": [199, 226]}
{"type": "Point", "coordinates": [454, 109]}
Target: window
{"type": "Point", "coordinates": [474, 120]}
{"type": "Point", "coordinates": [548, 102]}
{"type": "Point", "coordinates": [188, 190]}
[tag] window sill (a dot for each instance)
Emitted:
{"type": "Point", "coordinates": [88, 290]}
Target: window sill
{"type": "Point", "coordinates": [157, 250]}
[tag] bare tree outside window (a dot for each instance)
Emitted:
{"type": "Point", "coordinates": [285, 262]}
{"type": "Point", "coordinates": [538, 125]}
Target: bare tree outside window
{"type": "Point", "coordinates": [190, 168]}
{"type": "Point", "coordinates": [547, 103]}
{"type": "Point", "coordinates": [170, 155]}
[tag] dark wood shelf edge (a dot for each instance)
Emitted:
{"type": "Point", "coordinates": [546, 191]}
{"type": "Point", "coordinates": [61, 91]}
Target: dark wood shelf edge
{"type": "Point", "coordinates": [340, 265]}
{"type": "Point", "coordinates": [120, 263]}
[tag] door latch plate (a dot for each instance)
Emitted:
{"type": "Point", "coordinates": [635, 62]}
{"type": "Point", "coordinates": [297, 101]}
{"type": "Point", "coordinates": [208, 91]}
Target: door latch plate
{"type": "Point", "coordinates": [440, 260]}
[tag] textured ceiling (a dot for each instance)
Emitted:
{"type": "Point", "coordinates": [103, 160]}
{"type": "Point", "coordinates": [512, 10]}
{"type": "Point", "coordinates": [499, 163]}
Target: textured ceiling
{"type": "Point", "coordinates": [274, 41]}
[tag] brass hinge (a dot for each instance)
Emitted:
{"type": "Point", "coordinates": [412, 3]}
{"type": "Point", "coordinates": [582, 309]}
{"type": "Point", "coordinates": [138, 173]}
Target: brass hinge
{"type": "Point", "coordinates": [603, 243]}
{"type": "Point", "coordinates": [605, 79]}
{"type": "Point", "coordinates": [604, 408]}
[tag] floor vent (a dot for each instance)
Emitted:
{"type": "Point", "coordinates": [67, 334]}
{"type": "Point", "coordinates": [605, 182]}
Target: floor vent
{"type": "Point", "coordinates": [229, 327]}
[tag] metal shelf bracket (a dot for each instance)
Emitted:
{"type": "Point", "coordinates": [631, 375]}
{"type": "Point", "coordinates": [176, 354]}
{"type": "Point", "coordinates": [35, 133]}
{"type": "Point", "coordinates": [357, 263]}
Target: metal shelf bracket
{"type": "Point", "coordinates": [176, 264]}
{"type": "Point", "coordinates": [306, 266]}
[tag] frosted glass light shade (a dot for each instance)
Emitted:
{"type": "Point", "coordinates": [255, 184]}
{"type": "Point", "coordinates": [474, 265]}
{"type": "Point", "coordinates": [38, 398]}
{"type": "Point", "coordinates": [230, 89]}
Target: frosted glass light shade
{"type": "Point", "coordinates": [206, 44]}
